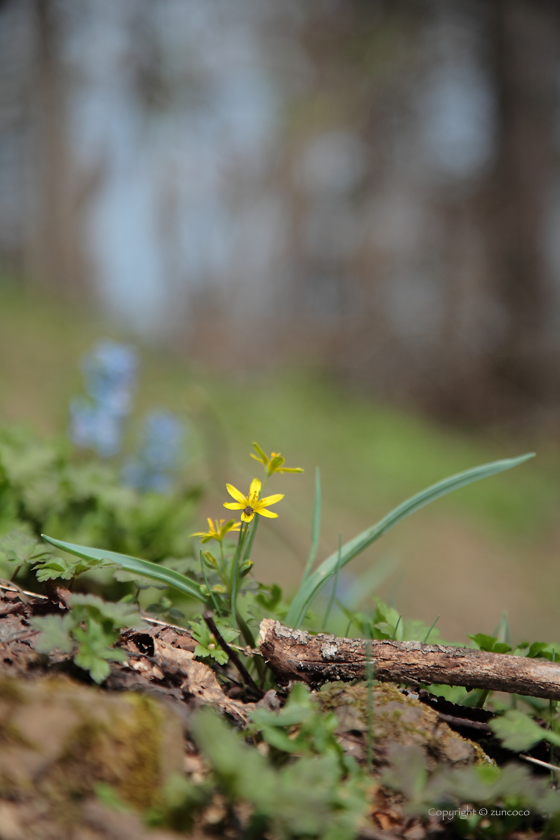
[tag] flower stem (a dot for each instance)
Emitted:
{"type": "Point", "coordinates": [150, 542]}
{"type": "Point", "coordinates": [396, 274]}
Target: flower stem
{"type": "Point", "coordinates": [216, 607]}
{"type": "Point", "coordinates": [234, 580]}
{"type": "Point", "coordinates": [247, 553]}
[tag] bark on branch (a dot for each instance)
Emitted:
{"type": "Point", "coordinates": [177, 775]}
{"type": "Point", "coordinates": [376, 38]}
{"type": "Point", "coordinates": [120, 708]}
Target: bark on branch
{"type": "Point", "coordinates": [296, 655]}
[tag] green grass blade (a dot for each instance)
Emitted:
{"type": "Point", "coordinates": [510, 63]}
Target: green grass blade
{"type": "Point", "coordinates": [432, 625]}
{"type": "Point", "coordinates": [313, 583]}
{"type": "Point", "coordinates": [132, 564]}
{"type": "Point", "coordinates": [316, 527]}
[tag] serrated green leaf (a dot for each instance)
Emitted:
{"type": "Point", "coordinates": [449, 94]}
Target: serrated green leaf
{"type": "Point", "coordinates": [281, 741]}
{"type": "Point", "coordinates": [53, 569]}
{"type": "Point", "coordinates": [537, 649]}
{"type": "Point", "coordinates": [200, 632]}
{"type": "Point", "coordinates": [215, 652]}
{"type": "Point", "coordinates": [19, 547]}
{"type": "Point", "coordinates": [119, 614]}
{"type": "Point", "coordinates": [518, 732]}
{"type": "Point", "coordinates": [286, 717]}
{"type": "Point", "coordinates": [490, 644]}
{"type": "Point", "coordinates": [99, 669]}
{"type": "Point", "coordinates": [351, 549]}
{"type": "Point", "coordinates": [58, 567]}
{"type": "Point", "coordinates": [55, 633]}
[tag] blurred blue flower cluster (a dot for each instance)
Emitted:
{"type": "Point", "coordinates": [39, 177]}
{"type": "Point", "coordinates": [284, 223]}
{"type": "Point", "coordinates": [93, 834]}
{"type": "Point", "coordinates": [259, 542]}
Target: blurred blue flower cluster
{"type": "Point", "coordinates": [159, 455]}
{"type": "Point", "coordinates": [97, 420]}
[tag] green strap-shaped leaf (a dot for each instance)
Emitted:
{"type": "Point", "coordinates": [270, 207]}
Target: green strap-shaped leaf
{"type": "Point", "coordinates": [316, 526]}
{"type": "Point", "coordinates": [133, 564]}
{"type": "Point", "coordinates": [313, 583]}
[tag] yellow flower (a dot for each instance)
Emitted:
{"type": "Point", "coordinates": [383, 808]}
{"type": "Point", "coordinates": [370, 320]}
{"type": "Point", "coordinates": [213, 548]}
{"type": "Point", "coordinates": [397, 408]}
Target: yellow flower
{"type": "Point", "coordinates": [218, 530]}
{"type": "Point", "coordinates": [251, 504]}
{"type": "Point", "coordinates": [274, 463]}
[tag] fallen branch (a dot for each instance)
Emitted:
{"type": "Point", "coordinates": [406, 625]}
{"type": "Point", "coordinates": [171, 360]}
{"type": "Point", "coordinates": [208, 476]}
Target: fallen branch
{"type": "Point", "coordinates": [297, 655]}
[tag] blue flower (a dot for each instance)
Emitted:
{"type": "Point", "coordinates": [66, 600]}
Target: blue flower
{"type": "Point", "coordinates": [96, 421]}
{"type": "Point", "coordinates": [93, 428]}
{"type": "Point", "coordinates": [160, 453]}
{"type": "Point", "coordinates": [110, 374]}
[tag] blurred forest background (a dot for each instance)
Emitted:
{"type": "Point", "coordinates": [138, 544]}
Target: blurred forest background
{"type": "Point", "coordinates": [338, 223]}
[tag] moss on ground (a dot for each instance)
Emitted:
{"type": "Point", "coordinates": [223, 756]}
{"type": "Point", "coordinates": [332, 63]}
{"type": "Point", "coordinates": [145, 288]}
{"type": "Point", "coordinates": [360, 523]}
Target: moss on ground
{"type": "Point", "coordinates": [61, 740]}
{"type": "Point", "coordinates": [396, 719]}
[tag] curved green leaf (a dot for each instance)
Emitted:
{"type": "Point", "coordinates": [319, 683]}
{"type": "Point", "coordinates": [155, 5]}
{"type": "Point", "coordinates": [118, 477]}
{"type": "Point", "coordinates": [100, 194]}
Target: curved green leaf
{"type": "Point", "coordinates": [316, 526]}
{"type": "Point", "coordinates": [351, 549]}
{"type": "Point", "coordinates": [135, 565]}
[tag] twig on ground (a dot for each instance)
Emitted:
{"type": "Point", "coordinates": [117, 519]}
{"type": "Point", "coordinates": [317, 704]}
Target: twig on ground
{"type": "Point", "coordinates": [13, 587]}
{"type": "Point", "coordinates": [247, 678]}
{"type": "Point", "coordinates": [453, 720]}
{"type": "Point", "coordinates": [297, 655]}
{"type": "Point", "coordinates": [539, 762]}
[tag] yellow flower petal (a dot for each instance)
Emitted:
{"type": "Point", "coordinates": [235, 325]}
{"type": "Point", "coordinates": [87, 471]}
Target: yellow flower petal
{"type": "Point", "coordinates": [236, 494]}
{"type": "Point", "coordinates": [235, 505]}
{"type": "Point", "coordinates": [247, 517]}
{"type": "Point", "coordinates": [268, 513]}
{"type": "Point", "coordinates": [270, 500]}
{"type": "Point", "coordinates": [255, 487]}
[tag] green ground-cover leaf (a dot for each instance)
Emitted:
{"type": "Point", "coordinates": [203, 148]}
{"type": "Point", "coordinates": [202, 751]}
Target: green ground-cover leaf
{"type": "Point", "coordinates": [490, 643]}
{"type": "Point", "coordinates": [44, 488]}
{"type": "Point", "coordinates": [312, 797]}
{"type": "Point", "coordinates": [208, 646]}
{"type": "Point", "coordinates": [90, 629]}
{"type": "Point", "coordinates": [519, 732]}
{"type": "Point", "coordinates": [55, 633]}
{"type": "Point", "coordinates": [315, 732]}
{"type": "Point", "coordinates": [20, 548]}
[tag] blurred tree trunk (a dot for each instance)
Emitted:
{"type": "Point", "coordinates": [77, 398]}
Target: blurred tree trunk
{"type": "Point", "coordinates": [524, 37]}
{"type": "Point", "coordinates": [54, 258]}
